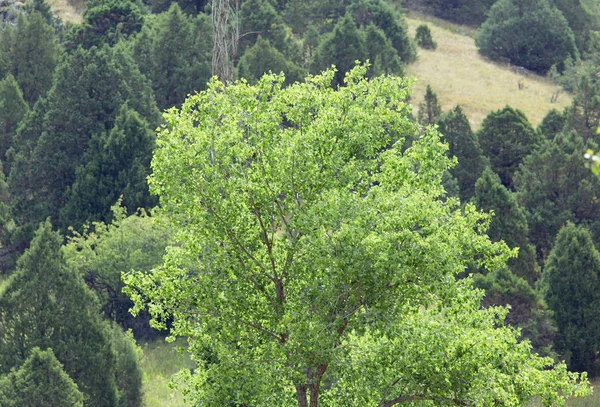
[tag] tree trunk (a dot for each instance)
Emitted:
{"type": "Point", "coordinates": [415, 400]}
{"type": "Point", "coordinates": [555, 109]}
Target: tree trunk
{"type": "Point", "coordinates": [301, 395]}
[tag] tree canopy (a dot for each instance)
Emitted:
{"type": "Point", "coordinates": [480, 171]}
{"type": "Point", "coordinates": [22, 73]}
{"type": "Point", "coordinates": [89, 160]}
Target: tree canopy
{"type": "Point", "coordinates": [316, 260]}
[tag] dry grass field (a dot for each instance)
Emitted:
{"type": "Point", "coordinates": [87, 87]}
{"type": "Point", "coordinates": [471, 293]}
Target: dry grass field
{"type": "Point", "coordinates": [69, 11]}
{"type": "Point", "coordinates": [459, 75]}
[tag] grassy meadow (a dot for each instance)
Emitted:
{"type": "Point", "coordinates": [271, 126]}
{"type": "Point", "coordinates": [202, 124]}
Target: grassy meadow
{"type": "Point", "coordinates": [459, 75]}
{"type": "Point", "coordinates": [160, 361]}
{"type": "Point", "coordinates": [70, 11]}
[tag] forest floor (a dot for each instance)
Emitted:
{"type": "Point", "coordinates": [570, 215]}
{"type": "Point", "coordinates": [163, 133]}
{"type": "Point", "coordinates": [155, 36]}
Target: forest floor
{"type": "Point", "coordinates": [459, 75]}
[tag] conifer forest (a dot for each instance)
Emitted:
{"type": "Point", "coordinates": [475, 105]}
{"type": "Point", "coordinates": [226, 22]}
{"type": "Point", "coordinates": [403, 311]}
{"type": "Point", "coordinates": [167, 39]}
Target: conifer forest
{"type": "Point", "coordinates": [335, 203]}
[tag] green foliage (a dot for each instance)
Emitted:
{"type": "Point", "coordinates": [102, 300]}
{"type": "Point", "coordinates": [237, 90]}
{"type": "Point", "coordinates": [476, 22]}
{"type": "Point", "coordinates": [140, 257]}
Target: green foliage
{"type": "Point", "coordinates": [430, 109]}
{"type": "Point", "coordinates": [309, 241]}
{"type": "Point", "coordinates": [423, 37]}
{"type": "Point", "coordinates": [529, 33]}
{"type": "Point", "coordinates": [262, 58]}
{"type": "Point", "coordinates": [380, 51]}
{"type": "Point", "coordinates": [89, 90]}
{"type": "Point", "coordinates": [46, 305]}
{"type": "Point", "coordinates": [583, 17]}
{"type": "Point", "coordinates": [470, 12]}
{"type": "Point", "coordinates": [105, 251]}
{"type": "Point", "coordinates": [31, 52]}
{"type": "Point", "coordinates": [128, 373]}
{"type": "Point", "coordinates": [583, 115]}
{"type": "Point", "coordinates": [106, 22]}
{"type": "Point", "coordinates": [464, 145]}
{"type": "Point", "coordinates": [39, 382]}
{"type": "Point", "coordinates": [509, 223]}
{"type": "Point", "coordinates": [554, 187]}
{"type": "Point", "coordinates": [572, 290]}
{"type": "Point", "coordinates": [506, 138]}
{"type": "Point", "coordinates": [12, 109]}
{"type": "Point", "coordinates": [552, 124]}
{"type": "Point", "coordinates": [117, 163]}
{"type": "Point", "coordinates": [174, 52]}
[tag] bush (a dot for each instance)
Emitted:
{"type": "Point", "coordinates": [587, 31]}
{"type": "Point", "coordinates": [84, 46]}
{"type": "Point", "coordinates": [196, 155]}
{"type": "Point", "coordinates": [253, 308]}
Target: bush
{"type": "Point", "coordinates": [423, 37]}
{"type": "Point", "coordinates": [533, 34]}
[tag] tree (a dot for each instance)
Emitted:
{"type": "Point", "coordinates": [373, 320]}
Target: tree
{"type": "Point", "coordinates": [430, 109]}
{"type": "Point", "coordinates": [381, 53]}
{"type": "Point", "coordinates": [262, 58]}
{"type": "Point", "coordinates": [307, 237]}
{"type": "Point", "coordinates": [423, 37]}
{"type": "Point", "coordinates": [545, 188]}
{"type": "Point", "coordinates": [12, 109]}
{"type": "Point", "coordinates": [33, 53]}
{"type": "Point", "coordinates": [464, 145]}
{"type": "Point", "coordinates": [552, 124]}
{"type": "Point", "coordinates": [39, 382]}
{"type": "Point", "coordinates": [509, 223]}
{"type": "Point", "coordinates": [174, 51]}
{"type": "Point", "coordinates": [506, 138]}
{"type": "Point", "coordinates": [48, 306]}
{"type": "Point", "coordinates": [471, 12]}
{"type": "Point", "coordinates": [572, 290]}
{"type": "Point", "coordinates": [529, 33]}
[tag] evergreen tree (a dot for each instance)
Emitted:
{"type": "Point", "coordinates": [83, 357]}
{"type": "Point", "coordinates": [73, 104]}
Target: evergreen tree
{"type": "Point", "coordinates": [430, 109]}
{"type": "Point", "coordinates": [552, 124]}
{"type": "Point", "coordinates": [12, 109]}
{"type": "Point", "coordinates": [262, 58]}
{"type": "Point", "coordinates": [128, 374]}
{"type": "Point", "coordinates": [381, 53]}
{"type": "Point", "coordinates": [116, 164]}
{"type": "Point", "coordinates": [554, 187]}
{"type": "Point", "coordinates": [530, 33]}
{"type": "Point", "coordinates": [174, 52]}
{"type": "Point", "coordinates": [506, 138]}
{"type": "Point", "coordinates": [48, 306]}
{"type": "Point", "coordinates": [583, 115]}
{"type": "Point", "coordinates": [470, 12]}
{"type": "Point", "coordinates": [572, 290]}
{"type": "Point", "coordinates": [39, 382]}
{"type": "Point", "coordinates": [32, 52]}
{"type": "Point", "coordinates": [508, 224]}
{"type": "Point", "coordinates": [464, 145]}
{"type": "Point", "coordinates": [89, 89]}
{"type": "Point", "coordinates": [423, 37]}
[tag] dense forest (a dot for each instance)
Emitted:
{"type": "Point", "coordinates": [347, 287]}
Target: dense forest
{"type": "Point", "coordinates": [198, 169]}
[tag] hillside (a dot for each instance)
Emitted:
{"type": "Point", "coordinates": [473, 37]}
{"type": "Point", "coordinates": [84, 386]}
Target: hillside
{"type": "Point", "coordinates": [68, 10]}
{"type": "Point", "coordinates": [459, 75]}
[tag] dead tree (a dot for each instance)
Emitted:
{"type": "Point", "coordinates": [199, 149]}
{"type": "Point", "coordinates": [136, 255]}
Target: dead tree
{"type": "Point", "coordinates": [226, 30]}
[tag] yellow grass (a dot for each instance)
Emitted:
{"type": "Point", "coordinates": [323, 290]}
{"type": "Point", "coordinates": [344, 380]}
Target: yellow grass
{"type": "Point", "coordinates": [70, 11]}
{"type": "Point", "coordinates": [459, 75]}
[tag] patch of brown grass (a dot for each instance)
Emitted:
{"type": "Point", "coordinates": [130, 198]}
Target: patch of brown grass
{"type": "Point", "coordinates": [70, 11]}
{"type": "Point", "coordinates": [459, 75]}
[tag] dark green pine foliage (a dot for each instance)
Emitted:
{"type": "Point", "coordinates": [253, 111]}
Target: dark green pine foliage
{"type": "Point", "coordinates": [464, 145]}
{"type": "Point", "coordinates": [117, 163]}
{"type": "Point", "coordinates": [571, 284]}
{"type": "Point", "coordinates": [529, 33]}
{"type": "Point", "coordinates": [262, 58]}
{"type": "Point", "coordinates": [508, 224]}
{"type": "Point", "coordinates": [188, 6]}
{"type": "Point", "coordinates": [89, 89]}
{"type": "Point", "coordinates": [552, 124]}
{"type": "Point", "coordinates": [430, 109]}
{"type": "Point", "coordinates": [554, 186]}
{"type": "Point", "coordinates": [128, 374]}
{"type": "Point", "coordinates": [381, 14]}
{"type": "Point", "coordinates": [342, 48]}
{"type": "Point", "coordinates": [528, 311]}
{"type": "Point", "coordinates": [583, 115]}
{"type": "Point", "coordinates": [469, 12]}
{"type": "Point", "coordinates": [583, 17]}
{"type": "Point", "coordinates": [423, 37]}
{"type": "Point", "coordinates": [32, 51]}
{"type": "Point", "coordinates": [39, 382]}
{"type": "Point", "coordinates": [46, 305]}
{"type": "Point", "coordinates": [506, 138]}
{"type": "Point", "coordinates": [105, 22]}
{"type": "Point", "coordinates": [174, 52]}
{"type": "Point", "coordinates": [12, 109]}
{"type": "Point", "coordinates": [381, 53]}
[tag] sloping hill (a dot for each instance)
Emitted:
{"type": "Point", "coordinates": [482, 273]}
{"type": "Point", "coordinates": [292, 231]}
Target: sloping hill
{"type": "Point", "coordinates": [459, 75]}
{"type": "Point", "coordinates": [70, 11]}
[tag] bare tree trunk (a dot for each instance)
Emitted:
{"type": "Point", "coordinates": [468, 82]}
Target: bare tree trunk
{"type": "Point", "coordinates": [301, 395]}
{"type": "Point", "coordinates": [225, 20]}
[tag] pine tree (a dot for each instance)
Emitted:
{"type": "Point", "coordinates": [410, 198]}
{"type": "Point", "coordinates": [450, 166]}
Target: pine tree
{"type": "Point", "coordinates": [554, 186]}
{"type": "Point", "coordinates": [464, 145]}
{"type": "Point", "coordinates": [12, 109]}
{"type": "Point", "coordinates": [48, 306]}
{"type": "Point", "coordinates": [506, 138]}
{"type": "Point", "coordinates": [39, 382]}
{"type": "Point", "coordinates": [552, 124]}
{"type": "Point", "coordinates": [508, 224]}
{"type": "Point", "coordinates": [381, 53]}
{"type": "Point", "coordinates": [174, 52]}
{"type": "Point", "coordinates": [572, 289]}
{"type": "Point", "coordinates": [430, 109]}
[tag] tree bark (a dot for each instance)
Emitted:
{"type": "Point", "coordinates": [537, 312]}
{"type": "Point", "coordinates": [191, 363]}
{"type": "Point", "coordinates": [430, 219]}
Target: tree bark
{"type": "Point", "coordinates": [301, 395]}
